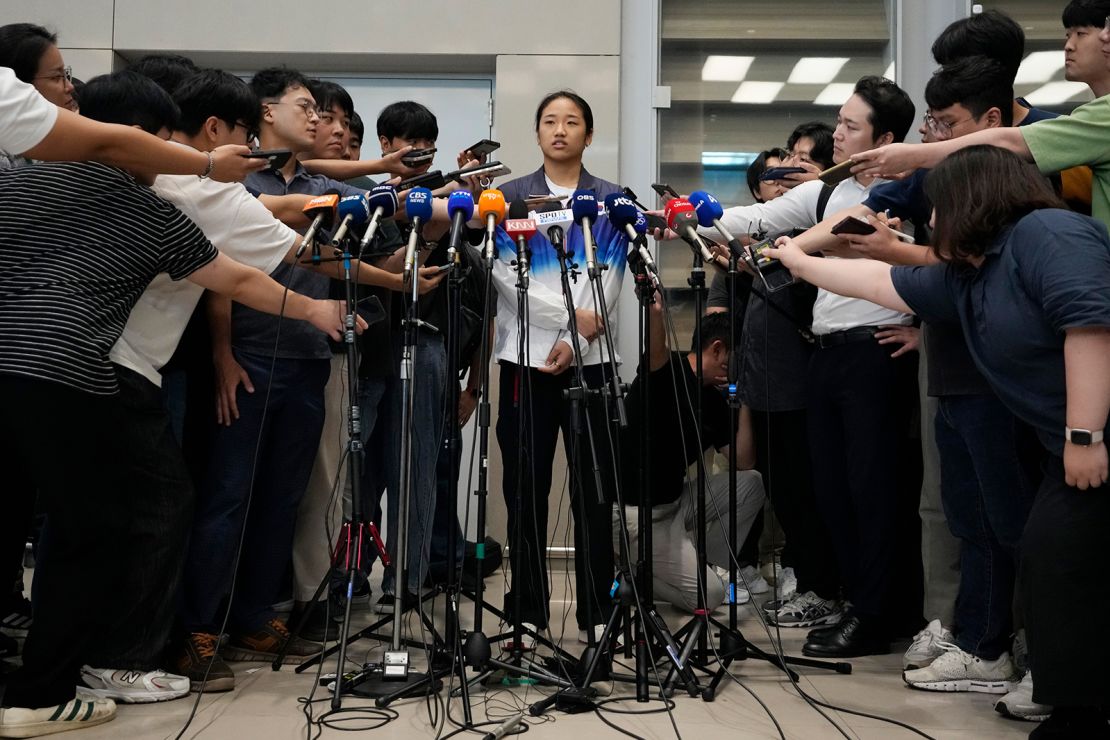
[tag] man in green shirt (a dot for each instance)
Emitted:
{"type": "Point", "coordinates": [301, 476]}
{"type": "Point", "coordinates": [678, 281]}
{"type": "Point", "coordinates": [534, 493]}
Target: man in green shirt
{"type": "Point", "coordinates": [1083, 138]}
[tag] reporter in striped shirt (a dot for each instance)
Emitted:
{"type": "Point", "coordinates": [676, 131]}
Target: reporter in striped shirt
{"type": "Point", "coordinates": [79, 243]}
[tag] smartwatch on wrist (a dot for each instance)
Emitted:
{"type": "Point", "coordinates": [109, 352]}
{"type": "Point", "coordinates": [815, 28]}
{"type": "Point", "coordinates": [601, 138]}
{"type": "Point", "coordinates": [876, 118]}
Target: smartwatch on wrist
{"type": "Point", "coordinates": [1082, 437]}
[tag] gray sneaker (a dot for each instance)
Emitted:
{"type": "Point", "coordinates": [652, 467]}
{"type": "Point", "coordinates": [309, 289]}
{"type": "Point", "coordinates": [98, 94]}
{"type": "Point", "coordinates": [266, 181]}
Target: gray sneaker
{"type": "Point", "coordinates": [806, 610]}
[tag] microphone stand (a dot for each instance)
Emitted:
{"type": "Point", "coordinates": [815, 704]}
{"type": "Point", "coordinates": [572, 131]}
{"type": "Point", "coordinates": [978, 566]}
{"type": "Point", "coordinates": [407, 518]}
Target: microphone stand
{"type": "Point", "coordinates": [476, 650]}
{"type": "Point", "coordinates": [355, 534]}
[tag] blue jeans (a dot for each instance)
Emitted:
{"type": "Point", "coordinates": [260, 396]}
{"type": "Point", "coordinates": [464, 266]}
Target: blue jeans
{"type": "Point", "coordinates": [430, 379]}
{"type": "Point", "coordinates": [293, 423]}
{"type": "Point", "coordinates": [986, 498]}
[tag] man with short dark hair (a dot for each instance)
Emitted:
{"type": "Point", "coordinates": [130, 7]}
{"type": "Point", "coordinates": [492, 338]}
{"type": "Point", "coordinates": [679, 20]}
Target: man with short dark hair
{"type": "Point", "coordinates": [65, 302]}
{"type": "Point", "coordinates": [676, 443]}
{"type": "Point", "coordinates": [856, 397]}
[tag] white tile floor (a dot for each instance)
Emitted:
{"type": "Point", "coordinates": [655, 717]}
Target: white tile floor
{"type": "Point", "coordinates": [265, 704]}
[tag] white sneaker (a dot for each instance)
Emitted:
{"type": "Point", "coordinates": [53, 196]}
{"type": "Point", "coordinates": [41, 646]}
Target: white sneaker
{"type": "Point", "coordinates": [787, 583]}
{"type": "Point", "coordinates": [750, 578]}
{"type": "Point", "coordinates": [743, 596]}
{"type": "Point", "coordinates": [73, 715]}
{"type": "Point", "coordinates": [925, 649]}
{"type": "Point", "coordinates": [956, 670]}
{"type": "Point", "coordinates": [133, 687]}
{"type": "Point", "coordinates": [806, 610]}
{"type": "Point", "coordinates": [1019, 704]}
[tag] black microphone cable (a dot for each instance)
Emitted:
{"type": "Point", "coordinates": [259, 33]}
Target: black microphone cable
{"type": "Point", "coordinates": [246, 510]}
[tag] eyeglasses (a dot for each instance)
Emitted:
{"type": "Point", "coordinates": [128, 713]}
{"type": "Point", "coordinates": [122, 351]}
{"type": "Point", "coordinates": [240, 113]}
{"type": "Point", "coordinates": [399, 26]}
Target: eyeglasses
{"type": "Point", "coordinates": [66, 74]}
{"type": "Point", "coordinates": [309, 109]}
{"type": "Point", "coordinates": [941, 130]}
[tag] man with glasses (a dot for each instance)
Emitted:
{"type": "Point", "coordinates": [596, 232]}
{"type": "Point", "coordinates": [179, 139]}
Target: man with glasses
{"type": "Point", "coordinates": [1053, 145]}
{"type": "Point", "coordinates": [267, 434]}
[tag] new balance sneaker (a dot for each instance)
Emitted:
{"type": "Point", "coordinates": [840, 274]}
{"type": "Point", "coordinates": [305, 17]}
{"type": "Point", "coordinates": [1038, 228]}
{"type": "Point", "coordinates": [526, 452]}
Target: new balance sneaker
{"type": "Point", "coordinates": [956, 670]}
{"type": "Point", "coordinates": [806, 610]}
{"type": "Point", "coordinates": [133, 687]}
{"type": "Point", "coordinates": [73, 715]}
{"type": "Point", "coordinates": [266, 642]}
{"type": "Point", "coordinates": [198, 652]}
{"type": "Point", "coordinates": [15, 615]}
{"type": "Point", "coordinates": [925, 647]}
{"type": "Point", "coordinates": [1019, 704]}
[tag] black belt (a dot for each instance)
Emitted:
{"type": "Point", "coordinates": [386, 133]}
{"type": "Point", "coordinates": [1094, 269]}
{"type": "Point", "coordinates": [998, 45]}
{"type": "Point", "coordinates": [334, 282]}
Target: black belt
{"type": "Point", "coordinates": [848, 336]}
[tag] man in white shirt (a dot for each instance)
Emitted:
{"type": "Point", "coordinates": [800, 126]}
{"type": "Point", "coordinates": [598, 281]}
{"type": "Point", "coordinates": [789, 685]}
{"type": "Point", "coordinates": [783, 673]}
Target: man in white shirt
{"type": "Point", "coordinates": [217, 109]}
{"type": "Point", "coordinates": [856, 391]}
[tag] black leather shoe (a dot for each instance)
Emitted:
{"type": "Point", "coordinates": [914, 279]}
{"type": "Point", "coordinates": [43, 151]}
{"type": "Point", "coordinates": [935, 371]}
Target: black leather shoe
{"type": "Point", "coordinates": [822, 633]}
{"type": "Point", "coordinates": [852, 638]}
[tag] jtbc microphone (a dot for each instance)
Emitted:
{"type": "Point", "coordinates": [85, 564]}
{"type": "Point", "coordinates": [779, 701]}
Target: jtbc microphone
{"type": "Point", "coordinates": [460, 208]}
{"type": "Point", "coordinates": [682, 220]}
{"type": "Point", "coordinates": [491, 209]}
{"type": "Point", "coordinates": [625, 217]}
{"type": "Point", "coordinates": [418, 206]}
{"type": "Point", "coordinates": [352, 210]}
{"type": "Point", "coordinates": [321, 210]}
{"type": "Point", "coordinates": [709, 211]}
{"type": "Point", "coordinates": [583, 204]}
{"type": "Point", "coordinates": [381, 201]}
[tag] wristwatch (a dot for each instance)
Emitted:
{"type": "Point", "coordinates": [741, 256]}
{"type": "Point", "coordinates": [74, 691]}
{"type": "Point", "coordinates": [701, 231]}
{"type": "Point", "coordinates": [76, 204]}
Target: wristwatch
{"type": "Point", "coordinates": [1082, 437]}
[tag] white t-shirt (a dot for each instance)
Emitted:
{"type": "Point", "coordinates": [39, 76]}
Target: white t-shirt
{"type": "Point", "coordinates": [797, 209]}
{"type": "Point", "coordinates": [26, 117]}
{"type": "Point", "coordinates": [238, 225]}
{"type": "Point", "coordinates": [559, 190]}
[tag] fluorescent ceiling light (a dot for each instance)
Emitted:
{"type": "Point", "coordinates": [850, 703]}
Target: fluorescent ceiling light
{"type": "Point", "coordinates": [1040, 66]}
{"type": "Point", "coordinates": [889, 74]}
{"type": "Point", "coordinates": [1055, 93]}
{"type": "Point", "coordinates": [725, 68]}
{"type": "Point", "coordinates": [816, 70]}
{"type": "Point", "coordinates": [727, 159]}
{"type": "Point", "coordinates": [835, 94]}
{"type": "Point", "coordinates": [757, 92]}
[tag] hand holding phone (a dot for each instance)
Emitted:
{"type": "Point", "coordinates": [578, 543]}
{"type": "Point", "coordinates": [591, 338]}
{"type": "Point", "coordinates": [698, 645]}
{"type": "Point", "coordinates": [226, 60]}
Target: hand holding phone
{"type": "Point", "coordinates": [837, 173]}
{"type": "Point", "coordinates": [483, 148]}
{"type": "Point", "coordinates": [275, 157]}
{"type": "Point", "coordinates": [417, 157]}
{"type": "Point", "coordinates": [778, 173]}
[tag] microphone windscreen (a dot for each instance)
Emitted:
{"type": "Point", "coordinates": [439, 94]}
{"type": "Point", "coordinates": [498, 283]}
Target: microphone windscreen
{"type": "Point", "coordinates": [708, 208]}
{"type": "Point", "coordinates": [583, 204]}
{"type": "Point", "coordinates": [676, 206]}
{"type": "Point", "coordinates": [354, 206]}
{"type": "Point", "coordinates": [622, 211]}
{"type": "Point", "coordinates": [460, 201]}
{"type": "Point", "coordinates": [641, 223]}
{"type": "Point", "coordinates": [517, 209]}
{"type": "Point", "coordinates": [418, 204]}
{"type": "Point", "coordinates": [384, 197]}
{"type": "Point", "coordinates": [491, 203]}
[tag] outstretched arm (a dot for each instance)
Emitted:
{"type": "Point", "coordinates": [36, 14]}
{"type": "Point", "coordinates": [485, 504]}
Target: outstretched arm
{"type": "Point", "coordinates": [866, 279]}
{"type": "Point", "coordinates": [76, 138]}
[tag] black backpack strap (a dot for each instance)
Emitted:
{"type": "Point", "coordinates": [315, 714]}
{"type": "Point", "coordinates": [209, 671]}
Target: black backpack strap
{"type": "Point", "coordinates": [823, 201]}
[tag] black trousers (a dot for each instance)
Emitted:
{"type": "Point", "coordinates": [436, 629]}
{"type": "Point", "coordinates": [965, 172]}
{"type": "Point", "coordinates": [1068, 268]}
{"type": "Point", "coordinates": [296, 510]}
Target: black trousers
{"type": "Point", "coordinates": [1062, 574]}
{"type": "Point", "coordinates": [859, 414]}
{"type": "Point", "coordinates": [160, 502]}
{"type": "Point", "coordinates": [782, 458]}
{"type": "Point", "coordinates": [61, 442]}
{"type": "Point", "coordinates": [546, 412]}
